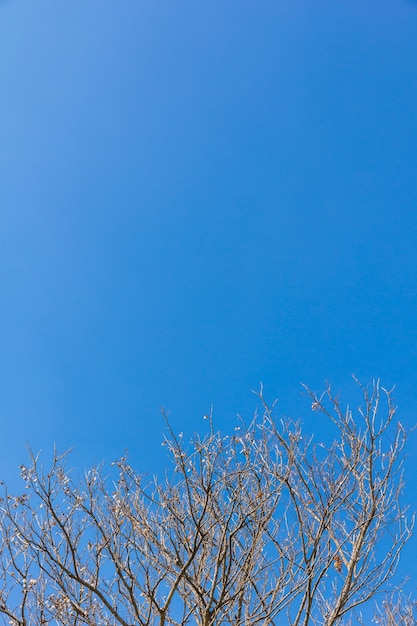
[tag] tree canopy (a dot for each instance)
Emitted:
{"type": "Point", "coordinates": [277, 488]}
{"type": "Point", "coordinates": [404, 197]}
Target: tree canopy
{"type": "Point", "coordinates": [264, 525]}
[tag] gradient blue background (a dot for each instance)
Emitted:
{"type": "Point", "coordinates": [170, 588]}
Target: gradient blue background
{"type": "Point", "coordinates": [196, 197]}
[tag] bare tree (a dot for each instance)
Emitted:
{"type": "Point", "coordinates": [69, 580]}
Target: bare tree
{"type": "Point", "coordinates": [264, 526]}
{"type": "Point", "coordinates": [395, 611]}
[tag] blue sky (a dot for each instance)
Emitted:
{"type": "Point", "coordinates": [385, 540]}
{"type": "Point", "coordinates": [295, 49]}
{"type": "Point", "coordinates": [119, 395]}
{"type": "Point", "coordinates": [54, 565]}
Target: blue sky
{"type": "Point", "coordinates": [196, 197]}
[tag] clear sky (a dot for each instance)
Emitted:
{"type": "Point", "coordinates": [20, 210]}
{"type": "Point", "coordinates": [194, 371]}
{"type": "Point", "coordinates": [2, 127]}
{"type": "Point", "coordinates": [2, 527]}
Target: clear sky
{"type": "Point", "coordinates": [196, 197]}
